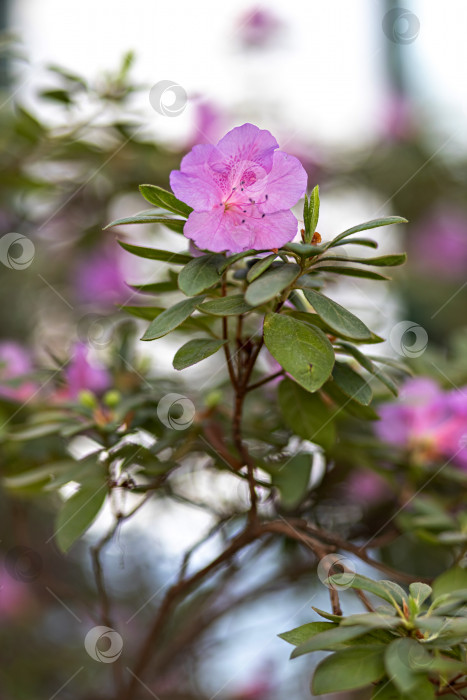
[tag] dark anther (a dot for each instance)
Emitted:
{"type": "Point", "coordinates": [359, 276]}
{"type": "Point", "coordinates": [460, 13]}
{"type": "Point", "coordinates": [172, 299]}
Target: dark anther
{"type": "Point", "coordinates": [263, 215]}
{"type": "Point", "coordinates": [243, 221]}
{"type": "Point", "coordinates": [266, 196]}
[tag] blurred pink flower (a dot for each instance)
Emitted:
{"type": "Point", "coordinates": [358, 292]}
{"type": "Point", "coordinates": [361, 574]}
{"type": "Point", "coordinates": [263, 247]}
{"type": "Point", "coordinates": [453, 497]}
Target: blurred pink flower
{"type": "Point", "coordinates": [440, 242]}
{"type": "Point", "coordinates": [13, 596]}
{"type": "Point", "coordinates": [426, 420]}
{"type": "Point", "coordinates": [259, 27]}
{"type": "Point", "coordinates": [208, 123]}
{"type": "Point", "coordinates": [366, 487]}
{"type": "Point", "coordinates": [397, 119]}
{"type": "Point", "coordinates": [241, 190]}
{"type": "Point", "coordinates": [81, 374]}
{"type": "Point", "coordinates": [99, 278]}
{"type": "Point", "coordinates": [15, 362]}
{"type": "Point", "coordinates": [260, 687]}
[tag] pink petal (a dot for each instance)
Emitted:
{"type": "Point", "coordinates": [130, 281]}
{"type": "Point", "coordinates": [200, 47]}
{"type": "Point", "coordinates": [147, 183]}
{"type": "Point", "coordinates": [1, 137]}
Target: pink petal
{"type": "Point", "coordinates": [286, 182]}
{"type": "Point", "coordinates": [248, 143]}
{"type": "Point", "coordinates": [271, 231]}
{"type": "Point", "coordinates": [209, 230]}
{"type": "Point", "coordinates": [194, 183]}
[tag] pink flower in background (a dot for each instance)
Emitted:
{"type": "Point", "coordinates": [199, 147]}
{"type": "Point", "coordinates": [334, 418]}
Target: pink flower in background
{"type": "Point", "coordinates": [208, 122]}
{"type": "Point", "coordinates": [429, 422]}
{"type": "Point", "coordinates": [15, 362]}
{"type": "Point", "coordinates": [366, 487]}
{"type": "Point", "coordinates": [99, 279]}
{"type": "Point", "coordinates": [14, 597]}
{"type": "Point", "coordinates": [440, 242]}
{"type": "Point", "coordinates": [81, 374]}
{"type": "Point", "coordinates": [241, 191]}
{"type": "Point", "coordinates": [397, 119]}
{"type": "Point", "coordinates": [259, 27]}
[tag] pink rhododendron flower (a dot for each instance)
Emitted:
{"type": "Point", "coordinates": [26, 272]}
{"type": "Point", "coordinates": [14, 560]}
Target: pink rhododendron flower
{"type": "Point", "coordinates": [81, 374]}
{"type": "Point", "coordinates": [440, 242]}
{"type": "Point", "coordinates": [241, 191]}
{"type": "Point", "coordinates": [99, 278]}
{"type": "Point", "coordinates": [366, 487]}
{"type": "Point", "coordinates": [14, 363]}
{"type": "Point", "coordinates": [259, 27]}
{"type": "Point", "coordinates": [429, 422]}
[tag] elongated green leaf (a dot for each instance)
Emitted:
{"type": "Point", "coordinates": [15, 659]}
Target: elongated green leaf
{"type": "Point", "coordinates": [352, 272]}
{"type": "Point", "coordinates": [239, 256]}
{"type": "Point", "coordinates": [271, 283]}
{"type": "Point", "coordinates": [196, 350]}
{"type": "Point", "coordinates": [337, 317]}
{"type": "Point", "coordinates": [156, 287]}
{"type": "Point", "coordinates": [380, 261]}
{"type": "Point", "coordinates": [39, 477]}
{"type": "Point", "coordinates": [146, 312]}
{"type": "Point", "coordinates": [302, 634]}
{"type": "Point", "coordinates": [367, 242]}
{"type": "Point", "coordinates": [367, 363]}
{"type": "Point", "coordinates": [349, 669]}
{"type": "Point", "coordinates": [312, 214]}
{"type": "Point", "coordinates": [420, 592]}
{"type": "Point", "coordinates": [422, 690]}
{"type": "Point", "coordinates": [292, 478]}
{"type": "Point", "coordinates": [171, 318]}
{"type": "Point", "coordinates": [306, 414]}
{"type": "Point", "coordinates": [373, 621]}
{"type": "Point", "coordinates": [154, 254]}
{"type": "Point", "coordinates": [302, 350]}
{"type": "Point", "coordinates": [351, 383]}
{"type": "Point", "coordinates": [305, 250]}
{"type": "Point", "coordinates": [327, 615]}
{"type": "Point", "coordinates": [330, 640]}
{"type": "Point", "coordinates": [345, 403]}
{"type": "Point", "coordinates": [200, 274]}
{"type": "Point", "coordinates": [78, 513]}
{"type": "Point", "coordinates": [402, 659]}
{"type": "Point", "coordinates": [147, 218]}
{"type": "Point", "coordinates": [363, 583]}
{"type": "Point", "coordinates": [226, 306]}
{"type": "Point", "coordinates": [259, 267]}
{"type": "Point", "coordinates": [374, 223]}
{"type": "Point", "coordinates": [454, 579]}
{"type": "Point", "coordinates": [164, 199]}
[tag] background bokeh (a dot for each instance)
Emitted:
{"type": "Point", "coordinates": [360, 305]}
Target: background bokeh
{"type": "Point", "coordinates": [370, 96]}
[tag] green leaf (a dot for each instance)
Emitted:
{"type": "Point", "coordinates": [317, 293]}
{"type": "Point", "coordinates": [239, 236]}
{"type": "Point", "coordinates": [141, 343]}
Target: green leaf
{"type": "Point", "coordinates": [420, 592]}
{"type": "Point", "coordinates": [164, 199]}
{"type": "Point", "coordinates": [302, 634]}
{"type": "Point", "coordinates": [380, 261]}
{"type": "Point", "coordinates": [345, 403]}
{"type": "Point", "coordinates": [379, 620]}
{"type": "Point", "coordinates": [271, 283]}
{"type": "Point", "coordinates": [196, 350]}
{"type": "Point", "coordinates": [305, 250]}
{"type": "Point", "coordinates": [374, 223]}
{"type": "Point", "coordinates": [156, 287]}
{"type": "Point", "coordinates": [454, 579]}
{"type": "Point", "coordinates": [306, 414]}
{"type": "Point", "coordinates": [154, 254]}
{"type": "Point", "coordinates": [422, 690]}
{"type": "Point", "coordinates": [311, 214]}
{"type": "Point", "coordinates": [171, 318]}
{"type": "Point", "coordinates": [326, 615]}
{"type": "Point", "coordinates": [337, 317]}
{"type": "Point", "coordinates": [259, 267]}
{"type": "Point", "coordinates": [239, 256]}
{"type": "Point", "coordinates": [349, 669]}
{"type": "Point", "coordinates": [145, 217]}
{"type": "Point", "coordinates": [292, 478]}
{"type": "Point", "coordinates": [329, 640]}
{"type": "Point", "coordinates": [146, 312]}
{"type": "Point", "coordinates": [362, 583]}
{"type": "Point", "coordinates": [200, 274]}
{"type": "Point", "coordinates": [226, 306]}
{"type": "Point", "coordinates": [78, 513]}
{"type": "Point", "coordinates": [352, 272]}
{"type": "Point", "coordinates": [38, 477]}
{"type": "Point", "coordinates": [368, 242]}
{"type": "Point", "coordinates": [302, 350]}
{"type": "Point", "coordinates": [351, 383]}
{"type": "Point", "coordinates": [403, 658]}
